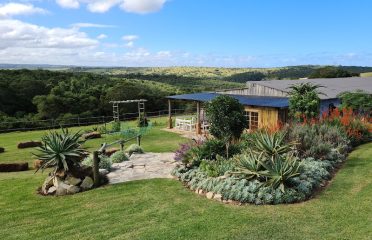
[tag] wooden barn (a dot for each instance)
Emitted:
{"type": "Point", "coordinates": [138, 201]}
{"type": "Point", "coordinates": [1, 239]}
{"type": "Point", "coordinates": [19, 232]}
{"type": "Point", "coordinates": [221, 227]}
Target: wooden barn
{"type": "Point", "coordinates": [266, 102]}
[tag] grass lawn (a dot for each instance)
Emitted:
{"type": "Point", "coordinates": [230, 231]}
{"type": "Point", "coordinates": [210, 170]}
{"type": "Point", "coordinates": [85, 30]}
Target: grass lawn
{"type": "Point", "coordinates": [164, 209]}
{"type": "Point", "coordinates": [156, 140]}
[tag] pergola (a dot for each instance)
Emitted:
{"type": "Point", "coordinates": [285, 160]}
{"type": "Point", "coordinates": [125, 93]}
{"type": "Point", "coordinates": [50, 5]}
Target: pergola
{"type": "Point", "coordinates": [115, 107]}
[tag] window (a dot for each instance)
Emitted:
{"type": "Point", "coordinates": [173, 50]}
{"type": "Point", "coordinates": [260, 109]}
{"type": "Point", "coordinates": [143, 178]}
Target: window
{"type": "Point", "coordinates": [252, 118]}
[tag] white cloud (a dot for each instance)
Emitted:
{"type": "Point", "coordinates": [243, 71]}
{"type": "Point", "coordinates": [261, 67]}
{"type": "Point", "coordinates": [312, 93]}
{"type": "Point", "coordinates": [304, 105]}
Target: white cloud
{"type": "Point", "coordinates": [16, 34]}
{"type": "Point", "coordinates": [68, 3]}
{"type": "Point", "coordinates": [101, 6]}
{"type": "Point", "coordinates": [130, 38]}
{"type": "Point", "coordinates": [102, 36]}
{"type": "Point", "coordinates": [142, 6]}
{"type": "Point", "coordinates": [13, 9]}
{"type": "Point", "coordinates": [129, 44]}
{"type": "Point", "coordinates": [91, 25]}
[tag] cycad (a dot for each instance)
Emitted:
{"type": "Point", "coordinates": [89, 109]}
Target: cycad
{"type": "Point", "coordinates": [60, 150]}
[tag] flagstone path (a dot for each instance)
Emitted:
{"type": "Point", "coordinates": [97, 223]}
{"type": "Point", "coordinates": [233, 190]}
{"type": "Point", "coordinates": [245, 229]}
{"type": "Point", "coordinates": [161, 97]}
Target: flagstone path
{"type": "Point", "coordinates": [143, 166]}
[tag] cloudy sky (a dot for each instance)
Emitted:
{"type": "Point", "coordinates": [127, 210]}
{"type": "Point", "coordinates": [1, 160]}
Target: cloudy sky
{"type": "Point", "coordinates": [227, 33]}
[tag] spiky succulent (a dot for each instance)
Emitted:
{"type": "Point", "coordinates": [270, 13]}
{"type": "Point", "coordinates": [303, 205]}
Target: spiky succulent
{"type": "Point", "coordinates": [61, 150]}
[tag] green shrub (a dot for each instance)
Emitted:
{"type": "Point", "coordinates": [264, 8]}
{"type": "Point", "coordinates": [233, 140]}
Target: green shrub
{"type": "Point", "coordinates": [104, 162]}
{"type": "Point", "coordinates": [119, 157]}
{"type": "Point", "coordinates": [134, 148]}
{"type": "Point", "coordinates": [218, 167]}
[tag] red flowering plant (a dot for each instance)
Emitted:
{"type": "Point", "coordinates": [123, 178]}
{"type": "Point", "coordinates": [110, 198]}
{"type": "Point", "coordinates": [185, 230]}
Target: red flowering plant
{"type": "Point", "coordinates": [355, 126]}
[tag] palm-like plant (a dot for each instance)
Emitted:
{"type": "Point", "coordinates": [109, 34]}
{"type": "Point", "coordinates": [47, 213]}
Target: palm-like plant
{"type": "Point", "coordinates": [249, 165]}
{"type": "Point", "coordinates": [60, 150]}
{"type": "Point", "coordinates": [280, 171]}
{"type": "Point", "coordinates": [270, 145]}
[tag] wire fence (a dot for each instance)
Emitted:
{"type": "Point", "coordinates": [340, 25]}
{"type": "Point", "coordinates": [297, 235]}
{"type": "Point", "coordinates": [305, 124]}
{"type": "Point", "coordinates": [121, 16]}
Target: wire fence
{"type": "Point", "coordinates": [28, 125]}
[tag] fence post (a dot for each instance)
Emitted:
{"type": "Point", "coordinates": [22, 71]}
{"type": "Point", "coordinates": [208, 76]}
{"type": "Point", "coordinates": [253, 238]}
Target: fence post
{"type": "Point", "coordinates": [95, 168]}
{"type": "Point", "coordinates": [79, 121]}
{"type": "Point", "coordinates": [122, 146]}
{"type": "Point", "coordinates": [139, 140]}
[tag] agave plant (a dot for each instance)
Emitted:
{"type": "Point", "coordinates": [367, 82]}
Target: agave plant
{"type": "Point", "coordinates": [271, 146]}
{"type": "Point", "coordinates": [280, 171]}
{"type": "Point", "coordinates": [60, 150]}
{"type": "Point", "coordinates": [249, 165]}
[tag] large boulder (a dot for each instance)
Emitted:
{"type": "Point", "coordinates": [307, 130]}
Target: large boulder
{"type": "Point", "coordinates": [73, 189]}
{"type": "Point", "coordinates": [71, 180]}
{"type": "Point", "coordinates": [87, 183]}
{"type": "Point", "coordinates": [29, 144]}
{"type": "Point", "coordinates": [48, 183]}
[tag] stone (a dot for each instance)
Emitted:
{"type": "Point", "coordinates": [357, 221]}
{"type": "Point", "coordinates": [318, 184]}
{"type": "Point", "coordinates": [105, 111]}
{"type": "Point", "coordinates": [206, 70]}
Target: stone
{"type": "Point", "coordinates": [52, 190]}
{"type": "Point", "coordinates": [73, 189]}
{"type": "Point", "coordinates": [210, 195]}
{"type": "Point", "coordinates": [70, 180]}
{"type": "Point", "coordinates": [47, 184]}
{"type": "Point", "coordinates": [197, 191]}
{"type": "Point", "coordinates": [217, 197]}
{"type": "Point", "coordinates": [87, 183]}
{"type": "Point", "coordinates": [200, 191]}
{"type": "Point", "coordinates": [61, 187]}
{"type": "Point", "coordinates": [103, 171]}
{"type": "Point", "coordinates": [37, 163]}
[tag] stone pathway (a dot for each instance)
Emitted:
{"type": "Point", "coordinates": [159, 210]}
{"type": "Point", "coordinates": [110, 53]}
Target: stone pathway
{"type": "Point", "coordinates": [142, 166]}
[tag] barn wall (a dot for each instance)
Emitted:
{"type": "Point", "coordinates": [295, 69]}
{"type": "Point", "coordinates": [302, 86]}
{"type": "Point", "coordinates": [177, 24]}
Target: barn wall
{"type": "Point", "coordinates": [256, 90]}
{"type": "Point", "coordinates": [268, 117]}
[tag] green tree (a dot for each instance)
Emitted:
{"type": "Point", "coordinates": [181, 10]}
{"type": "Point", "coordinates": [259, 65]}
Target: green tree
{"type": "Point", "coordinates": [304, 101]}
{"type": "Point", "coordinates": [227, 120]}
{"type": "Point", "coordinates": [331, 72]}
{"type": "Point", "coordinates": [360, 101]}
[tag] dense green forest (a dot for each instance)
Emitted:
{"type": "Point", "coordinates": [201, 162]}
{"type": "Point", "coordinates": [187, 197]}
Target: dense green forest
{"type": "Point", "coordinates": [33, 95]}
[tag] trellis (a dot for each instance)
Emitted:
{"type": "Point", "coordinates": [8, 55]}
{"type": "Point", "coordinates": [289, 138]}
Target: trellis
{"type": "Point", "coordinates": [116, 112]}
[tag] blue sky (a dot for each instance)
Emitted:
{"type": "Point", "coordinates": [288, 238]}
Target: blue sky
{"type": "Point", "coordinates": [226, 33]}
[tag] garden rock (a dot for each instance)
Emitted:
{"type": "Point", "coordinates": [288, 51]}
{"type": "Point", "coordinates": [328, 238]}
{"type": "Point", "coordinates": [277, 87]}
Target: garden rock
{"type": "Point", "coordinates": [72, 180]}
{"type": "Point", "coordinates": [87, 183]}
{"type": "Point", "coordinates": [217, 197]}
{"type": "Point", "coordinates": [48, 183]}
{"type": "Point", "coordinates": [210, 195]}
{"type": "Point", "coordinates": [73, 189]}
{"type": "Point", "coordinates": [51, 190]}
{"type": "Point", "coordinates": [103, 171]}
{"type": "Point", "coordinates": [2, 149]}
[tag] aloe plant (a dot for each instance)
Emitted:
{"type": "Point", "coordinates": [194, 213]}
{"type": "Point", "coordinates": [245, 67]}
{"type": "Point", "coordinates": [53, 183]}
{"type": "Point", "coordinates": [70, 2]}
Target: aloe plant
{"type": "Point", "coordinates": [249, 165]}
{"type": "Point", "coordinates": [60, 150]}
{"type": "Point", "coordinates": [280, 171]}
{"type": "Point", "coordinates": [272, 145]}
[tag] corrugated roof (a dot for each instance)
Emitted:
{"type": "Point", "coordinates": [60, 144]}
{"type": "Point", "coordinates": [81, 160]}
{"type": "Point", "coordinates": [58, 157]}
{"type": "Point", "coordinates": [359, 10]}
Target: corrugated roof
{"type": "Point", "coordinates": [332, 86]}
{"type": "Point", "coordinates": [261, 101]}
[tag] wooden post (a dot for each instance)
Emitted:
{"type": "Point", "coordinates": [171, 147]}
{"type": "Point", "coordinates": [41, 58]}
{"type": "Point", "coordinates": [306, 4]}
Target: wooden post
{"type": "Point", "coordinates": [139, 140]}
{"type": "Point", "coordinates": [170, 121]}
{"type": "Point", "coordinates": [122, 146]}
{"type": "Point", "coordinates": [95, 168]}
{"type": "Point", "coordinates": [198, 120]}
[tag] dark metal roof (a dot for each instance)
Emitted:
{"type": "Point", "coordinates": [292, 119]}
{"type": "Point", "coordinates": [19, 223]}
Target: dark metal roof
{"type": "Point", "coordinates": [261, 101]}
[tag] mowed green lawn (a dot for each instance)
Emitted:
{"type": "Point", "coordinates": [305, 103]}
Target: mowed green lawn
{"type": "Point", "coordinates": [155, 140]}
{"type": "Point", "coordinates": [164, 209]}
